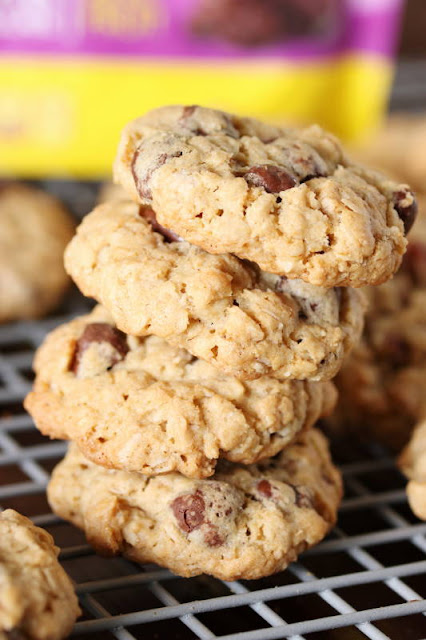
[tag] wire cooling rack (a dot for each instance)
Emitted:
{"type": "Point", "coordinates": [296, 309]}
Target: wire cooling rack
{"type": "Point", "coordinates": [367, 580]}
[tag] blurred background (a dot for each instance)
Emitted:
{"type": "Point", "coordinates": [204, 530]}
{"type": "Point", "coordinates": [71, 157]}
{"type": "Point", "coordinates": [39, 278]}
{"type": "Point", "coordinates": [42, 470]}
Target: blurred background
{"type": "Point", "coordinates": [73, 73]}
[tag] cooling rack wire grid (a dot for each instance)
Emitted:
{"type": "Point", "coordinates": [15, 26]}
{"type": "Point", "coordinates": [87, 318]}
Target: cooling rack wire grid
{"type": "Point", "coordinates": [366, 580]}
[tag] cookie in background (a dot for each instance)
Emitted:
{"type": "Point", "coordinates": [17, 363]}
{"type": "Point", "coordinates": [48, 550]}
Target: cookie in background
{"type": "Point", "coordinates": [381, 385]}
{"type": "Point", "coordinates": [399, 149]}
{"type": "Point", "coordinates": [37, 597]}
{"type": "Point", "coordinates": [141, 404]}
{"type": "Point", "coordinates": [34, 231]}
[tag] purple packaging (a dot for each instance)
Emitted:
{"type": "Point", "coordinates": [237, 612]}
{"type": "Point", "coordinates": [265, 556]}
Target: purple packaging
{"type": "Point", "coordinates": [72, 73]}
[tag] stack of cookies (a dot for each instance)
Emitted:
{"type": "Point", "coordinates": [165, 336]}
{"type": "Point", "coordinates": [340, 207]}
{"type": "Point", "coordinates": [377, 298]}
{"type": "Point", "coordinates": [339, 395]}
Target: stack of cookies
{"type": "Point", "coordinates": [225, 277]}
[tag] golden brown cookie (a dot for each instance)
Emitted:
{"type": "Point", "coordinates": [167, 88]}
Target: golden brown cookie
{"type": "Point", "coordinates": [37, 598]}
{"type": "Point", "coordinates": [141, 404]}
{"type": "Point", "coordinates": [34, 231]}
{"type": "Point", "coordinates": [381, 385]}
{"type": "Point", "coordinates": [288, 200]}
{"type": "Point", "coordinates": [224, 310]}
{"type": "Point", "coordinates": [244, 522]}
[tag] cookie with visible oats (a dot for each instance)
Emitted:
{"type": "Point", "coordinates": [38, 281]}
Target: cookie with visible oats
{"type": "Point", "coordinates": [141, 404]}
{"type": "Point", "coordinates": [243, 522]}
{"type": "Point", "coordinates": [288, 200]}
{"type": "Point", "coordinates": [381, 385]}
{"type": "Point", "coordinates": [34, 231]}
{"type": "Point", "coordinates": [221, 309]}
{"type": "Point", "coordinates": [37, 598]}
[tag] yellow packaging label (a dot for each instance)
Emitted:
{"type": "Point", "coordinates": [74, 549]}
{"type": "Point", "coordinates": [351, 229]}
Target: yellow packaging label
{"type": "Point", "coordinates": [65, 118]}
{"type": "Point", "coordinates": [72, 73]}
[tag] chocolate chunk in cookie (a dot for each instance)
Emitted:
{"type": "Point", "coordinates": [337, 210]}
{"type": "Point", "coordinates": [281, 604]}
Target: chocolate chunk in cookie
{"type": "Point", "coordinates": [189, 511]}
{"type": "Point", "coordinates": [100, 333]}
{"type": "Point", "coordinates": [406, 206]}
{"type": "Point", "coordinates": [265, 488]}
{"type": "Point", "coordinates": [331, 222]}
{"type": "Point", "coordinates": [149, 214]}
{"type": "Point", "coordinates": [188, 111]}
{"type": "Point", "coordinates": [217, 526]}
{"type": "Point", "coordinates": [303, 497]}
{"type": "Point", "coordinates": [143, 171]}
{"type": "Point", "coordinates": [212, 537]}
{"type": "Point", "coordinates": [271, 178]}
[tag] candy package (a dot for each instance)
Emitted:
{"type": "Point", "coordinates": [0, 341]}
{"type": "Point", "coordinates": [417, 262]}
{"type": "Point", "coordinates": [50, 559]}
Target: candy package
{"type": "Point", "coordinates": [72, 73]}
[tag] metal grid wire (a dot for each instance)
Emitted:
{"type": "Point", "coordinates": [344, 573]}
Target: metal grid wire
{"type": "Point", "coordinates": [367, 580]}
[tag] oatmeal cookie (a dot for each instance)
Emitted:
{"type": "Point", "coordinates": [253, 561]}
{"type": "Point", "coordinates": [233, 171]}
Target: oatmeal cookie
{"type": "Point", "coordinates": [244, 522]}
{"type": "Point", "coordinates": [224, 310]}
{"type": "Point", "coordinates": [288, 200]}
{"type": "Point", "coordinates": [34, 231]}
{"type": "Point", "coordinates": [381, 385]}
{"type": "Point", "coordinates": [141, 404]}
{"type": "Point", "coordinates": [37, 598]}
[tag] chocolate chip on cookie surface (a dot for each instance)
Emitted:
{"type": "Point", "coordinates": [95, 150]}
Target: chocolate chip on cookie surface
{"type": "Point", "coordinates": [222, 309]}
{"type": "Point", "coordinates": [144, 405]}
{"type": "Point", "coordinates": [228, 526]}
{"type": "Point", "coordinates": [288, 200]}
{"type": "Point", "coordinates": [101, 342]}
